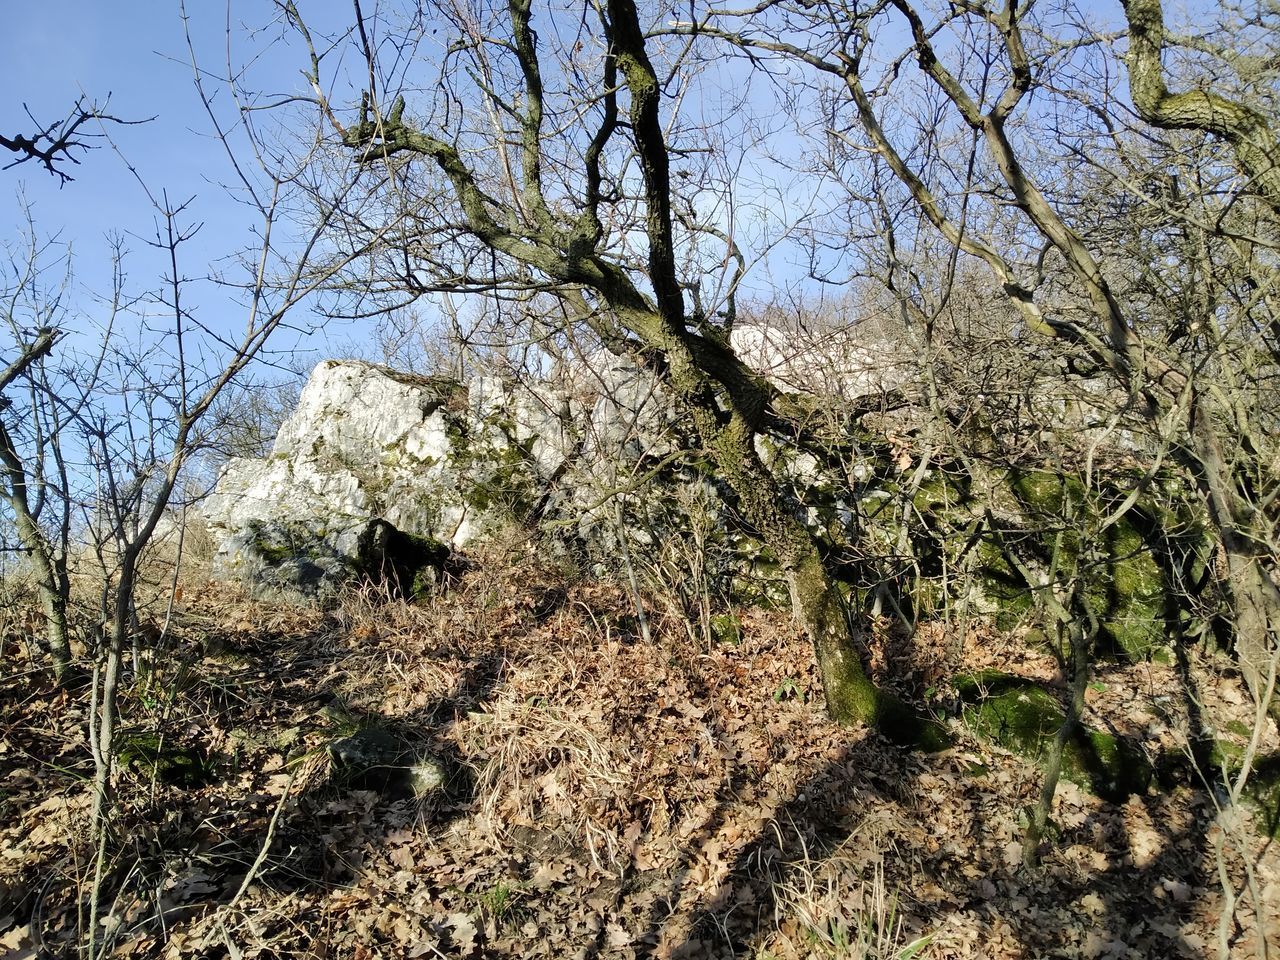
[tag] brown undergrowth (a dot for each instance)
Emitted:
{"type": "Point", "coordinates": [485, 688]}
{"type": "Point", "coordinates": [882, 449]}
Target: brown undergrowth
{"type": "Point", "coordinates": [606, 797]}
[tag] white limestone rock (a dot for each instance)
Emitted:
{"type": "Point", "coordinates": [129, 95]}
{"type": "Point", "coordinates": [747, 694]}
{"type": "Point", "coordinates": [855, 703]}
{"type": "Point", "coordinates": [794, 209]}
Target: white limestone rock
{"type": "Point", "coordinates": [449, 463]}
{"type": "Point", "coordinates": [365, 444]}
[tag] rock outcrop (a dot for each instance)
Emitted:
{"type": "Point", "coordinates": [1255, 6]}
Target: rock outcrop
{"type": "Point", "coordinates": [380, 473]}
{"type": "Point", "coordinates": [374, 465]}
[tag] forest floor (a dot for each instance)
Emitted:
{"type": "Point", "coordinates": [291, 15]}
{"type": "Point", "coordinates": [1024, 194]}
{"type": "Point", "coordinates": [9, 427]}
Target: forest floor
{"type": "Point", "coordinates": [607, 796]}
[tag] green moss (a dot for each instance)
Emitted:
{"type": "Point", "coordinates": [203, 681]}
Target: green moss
{"type": "Point", "coordinates": [1225, 755]}
{"type": "Point", "coordinates": [1126, 588]}
{"type": "Point", "coordinates": [1002, 586]}
{"type": "Point", "coordinates": [726, 628]}
{"type": "Point", "coordinates": [268, 543]}
{"type": "Point", "coordinates": [1036, 638]}
{"type": "Point", "coordinates": [505, 485]}
{"type": "Point", "coordinates": [975, 687]}
{"type": "Point", "coordinates": [1047, 493]}
{"type": "Point", "coordinates": [499, 478]}
{"type": "Point", "coordinates": [1130, 594]}
{"type": "Point", "coordinates": [153, 756]}
{"type": "Point", "coordinates": [941, 492]}
{"type": "Point", "coordinates": [1022, 717]}
{"type": "Point", "coordinates": [1263, 792]}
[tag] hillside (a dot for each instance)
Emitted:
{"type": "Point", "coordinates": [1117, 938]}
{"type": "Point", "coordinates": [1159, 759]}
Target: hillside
{"type": "Point", "coordinates": [603, 796]}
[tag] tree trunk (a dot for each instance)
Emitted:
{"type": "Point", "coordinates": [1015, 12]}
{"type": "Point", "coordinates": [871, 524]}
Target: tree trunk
{"type": "Point", "coordinates": [727, 404]}
{"type": "Point", "coordinates": [1248, 131]}
{"type": "Point", "coordinates": [818, 604]}
{"type": "Point", "coordinates": [1247, 545]}
{"type": "Point", "coordinates": [54, 600]}
{"type": "Point", "coordinates": [816, 601]}
{"type": "Point", "coordinates": [53, 587]}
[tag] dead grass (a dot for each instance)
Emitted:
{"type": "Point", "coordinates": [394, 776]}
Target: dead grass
{"type": "Point", "coordinates": [609, 798]}
{"type": "Point", "coordinates": [826, 905]}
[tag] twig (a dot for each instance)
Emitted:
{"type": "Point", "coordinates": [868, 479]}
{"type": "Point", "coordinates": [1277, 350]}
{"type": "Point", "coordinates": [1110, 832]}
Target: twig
{"type": "Point", "coordinates": [266, 842]}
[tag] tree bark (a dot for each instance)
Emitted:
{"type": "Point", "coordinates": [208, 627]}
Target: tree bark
{"type": "Point", "coordinates": [52, 582]}
{"type": "Point", "coordinates": [1249, 133]}
{"type": "Point", "coordinates": [1245, 539]}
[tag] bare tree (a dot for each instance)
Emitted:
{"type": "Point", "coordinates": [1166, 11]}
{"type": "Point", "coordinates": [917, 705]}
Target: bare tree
{"type": "Point", "coordinates": [1137, 238]}
{"type": "Point", "coordinates": [551, 162]}
{"type": "Point", "coordinates": [97, 429]}
{"type": "Point", "coordinates": [47, 549]}
{"type": "Point", "coordinates": [36, 450]}
{"type": "Point", "coordinates": [1187, 372]}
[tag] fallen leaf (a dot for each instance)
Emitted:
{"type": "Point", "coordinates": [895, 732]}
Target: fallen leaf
{"type": "Point", "coordinates": [549, 874]}
{"type": "Point", "coordinates": [462, 931]}
{"type": "Point", "coordinates": [617, 934]}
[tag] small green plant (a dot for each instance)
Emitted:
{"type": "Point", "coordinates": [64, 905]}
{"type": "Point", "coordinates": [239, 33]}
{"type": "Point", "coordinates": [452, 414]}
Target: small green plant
{"type": "Point", "coordinates": [788, 689]}
{"type": "Point", "coordinates": [500, 903]}
{"type": "Point", "coordinates": [497, 900]}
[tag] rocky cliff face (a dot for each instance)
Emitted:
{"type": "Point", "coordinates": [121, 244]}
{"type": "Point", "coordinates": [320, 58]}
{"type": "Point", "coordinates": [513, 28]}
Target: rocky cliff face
{"type": "Point", "coordinates": [369, 448]}
{"type": "Point", "coordinates": [384, 473]}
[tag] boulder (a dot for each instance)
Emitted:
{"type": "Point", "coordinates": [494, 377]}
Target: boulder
{"type": "Point", "coordinates": [375, 471]}
{"type": "Point", "coordinates": [372, 758]}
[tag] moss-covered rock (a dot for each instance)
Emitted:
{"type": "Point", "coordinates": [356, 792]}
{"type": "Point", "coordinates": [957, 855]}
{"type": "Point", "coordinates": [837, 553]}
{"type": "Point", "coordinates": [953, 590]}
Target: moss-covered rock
{"type": "Point", "coordinates": [726, 628]}
{"type": "Point", "coordinates": [1222, 757]}
{"type": "Point", "coordinates": [151, 755]}
{"type": "Point", "coordinates": [1263, 791]}
{"type": "Point", "coordinates": [1131, 592]}
{"type": "Point", "coordinates": [1125, 586]}
{"type": "Point", "coordinates": [1018, 715]}
{"type": "Point", "coordinates": [372, 758]}
{"type": "Point", "coordinates": [1002, 588]}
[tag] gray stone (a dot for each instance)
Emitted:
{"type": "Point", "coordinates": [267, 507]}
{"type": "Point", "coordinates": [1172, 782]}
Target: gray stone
{"type": "Point", "coordinates": [376, 759]}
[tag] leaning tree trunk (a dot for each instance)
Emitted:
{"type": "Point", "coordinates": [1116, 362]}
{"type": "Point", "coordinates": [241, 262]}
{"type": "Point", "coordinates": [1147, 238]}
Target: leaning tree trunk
{"type": "Point", "coordinates": [727, 404]}
{"type": "Point", "coordinates": [816, 600]}
{"type": "Point", "coordinates": [54, 591]}
{"type": "Point", "coordinates": [52, 585]}
{"type": "Point", "coordinates": [1250, 132]}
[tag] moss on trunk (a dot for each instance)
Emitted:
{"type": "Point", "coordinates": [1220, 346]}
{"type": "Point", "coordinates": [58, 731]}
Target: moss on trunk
{"type": "Point", "coordinates": [851, 695]}
{"type": "Point", "coordinates": [1263, 791]}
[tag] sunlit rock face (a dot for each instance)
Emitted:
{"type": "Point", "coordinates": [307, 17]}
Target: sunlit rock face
{"type": "Point", "coordinates": [444, 464]}
{"type": "Point", "coordinates": [434, 459]}
{"type": "Point", "coordinates": [839, 363]}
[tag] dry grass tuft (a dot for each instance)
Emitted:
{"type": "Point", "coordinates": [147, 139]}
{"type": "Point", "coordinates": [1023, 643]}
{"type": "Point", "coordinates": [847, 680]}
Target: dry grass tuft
{"type": "Point", "coordinates": [547, 763]}
{"type": "Point", "coordinates": [829, 907]}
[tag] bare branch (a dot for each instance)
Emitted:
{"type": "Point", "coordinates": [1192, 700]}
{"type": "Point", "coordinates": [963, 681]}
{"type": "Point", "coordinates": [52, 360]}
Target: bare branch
{"type": "Point", "coordinates": [51, 146]}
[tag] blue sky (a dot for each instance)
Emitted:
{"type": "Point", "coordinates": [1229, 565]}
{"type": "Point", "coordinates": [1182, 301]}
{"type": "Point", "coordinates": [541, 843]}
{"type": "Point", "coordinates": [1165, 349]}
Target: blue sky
{"type": "Point", "coordinates": [55, 51]}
